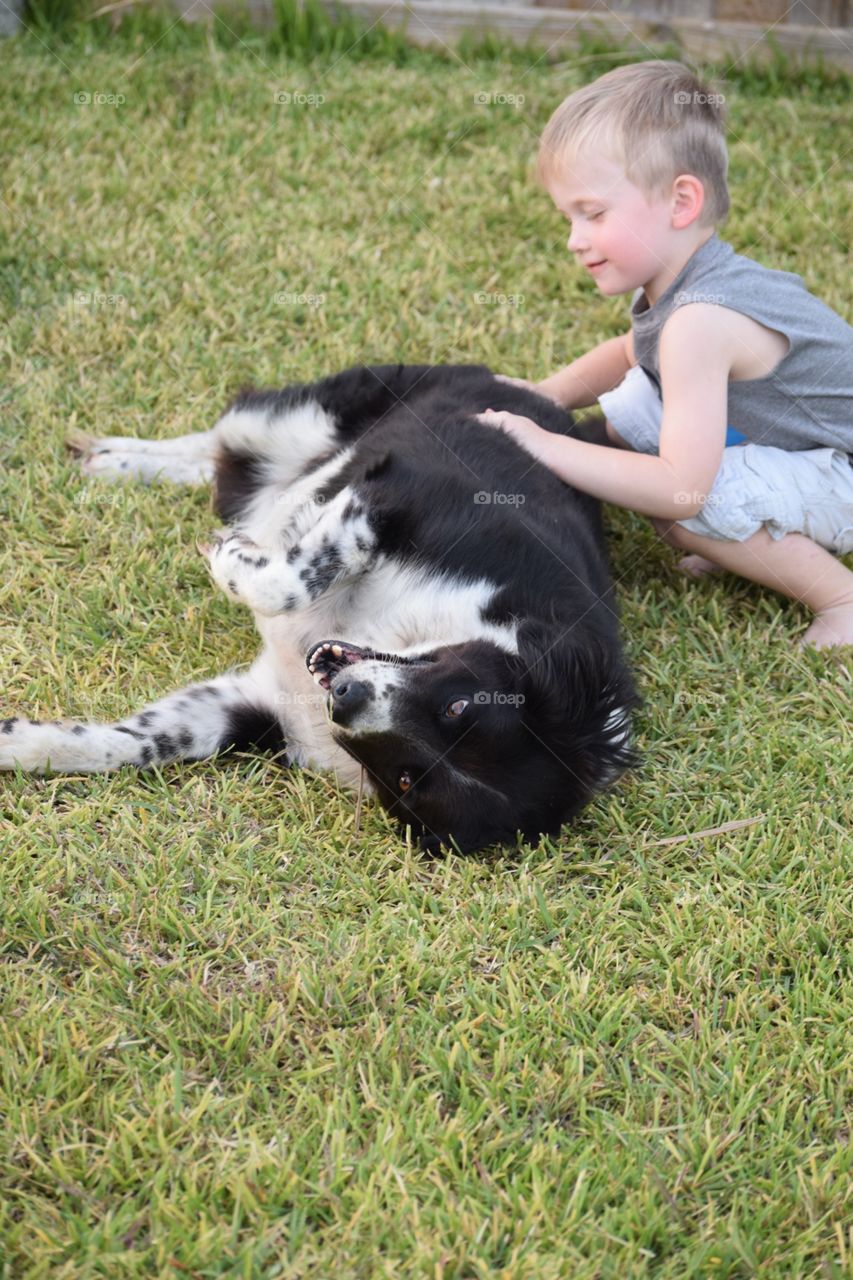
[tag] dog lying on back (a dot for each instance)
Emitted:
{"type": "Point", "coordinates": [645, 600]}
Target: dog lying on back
{"type": "Point", "coordinates": [434, 605]}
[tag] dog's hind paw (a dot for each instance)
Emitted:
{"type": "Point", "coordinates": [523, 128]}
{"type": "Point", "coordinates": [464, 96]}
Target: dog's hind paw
{"type": "Point", "coordinates": [183, 460]}
{"type": "Point", "coordinates": [80, 443]}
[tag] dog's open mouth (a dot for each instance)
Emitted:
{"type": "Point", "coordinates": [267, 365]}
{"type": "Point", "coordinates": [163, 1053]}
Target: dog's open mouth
{"type": "Point", "coordinates": [326, 659]}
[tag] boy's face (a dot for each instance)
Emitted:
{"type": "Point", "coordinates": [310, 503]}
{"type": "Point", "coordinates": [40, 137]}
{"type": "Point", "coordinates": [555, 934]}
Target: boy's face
{"type": "Point", "coordinates": [623, 237]}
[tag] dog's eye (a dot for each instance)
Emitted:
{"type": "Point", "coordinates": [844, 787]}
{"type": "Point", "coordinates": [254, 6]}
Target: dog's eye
{"type": "Point", "coordinates": [404, 781]}
{"type": "Point", "coordinates": [456, 707]}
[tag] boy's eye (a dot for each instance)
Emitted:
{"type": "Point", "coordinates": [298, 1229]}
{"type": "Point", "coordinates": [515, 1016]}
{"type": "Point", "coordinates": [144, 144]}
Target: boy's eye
{"type": "Point", "coordinates": [590, 217]}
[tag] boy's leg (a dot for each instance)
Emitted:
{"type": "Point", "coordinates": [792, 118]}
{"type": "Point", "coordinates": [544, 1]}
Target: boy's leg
{"type": "Point", "coordinates": [805, 498]}
{"type": "Point", "coordinates": [697, 566]}
{"type": "Point", "coordinates": [793, 565]}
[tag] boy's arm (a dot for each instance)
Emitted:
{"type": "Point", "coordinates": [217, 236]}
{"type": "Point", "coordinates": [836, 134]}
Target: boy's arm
{"type": "Point", "coordinates": [695, 359]}
{"type": "Point", "coordinates": [585, 379]}
{"type": "Point", "coordinates": [696, 355]}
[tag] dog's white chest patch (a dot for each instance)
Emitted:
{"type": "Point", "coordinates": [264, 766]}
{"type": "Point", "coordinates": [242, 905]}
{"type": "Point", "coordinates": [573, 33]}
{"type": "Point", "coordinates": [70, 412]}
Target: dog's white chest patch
{"type": "Point", "coordinates": [407, 609]}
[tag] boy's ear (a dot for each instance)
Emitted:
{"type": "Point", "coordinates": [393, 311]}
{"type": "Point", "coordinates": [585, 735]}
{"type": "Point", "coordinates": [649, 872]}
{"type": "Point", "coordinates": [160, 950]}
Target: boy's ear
{"type": "Point", "coordinates": [688, 200]}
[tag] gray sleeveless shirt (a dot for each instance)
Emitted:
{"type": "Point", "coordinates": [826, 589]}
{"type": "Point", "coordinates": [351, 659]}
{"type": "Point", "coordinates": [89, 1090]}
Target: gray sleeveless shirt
{"type": "Point", "coordinates": [806, 402]}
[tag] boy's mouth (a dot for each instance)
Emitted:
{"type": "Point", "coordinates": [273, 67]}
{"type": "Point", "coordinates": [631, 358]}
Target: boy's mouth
{"type": "Point", "coordinates": [593, 266]}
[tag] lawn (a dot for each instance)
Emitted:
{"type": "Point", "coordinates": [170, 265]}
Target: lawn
{"type": "Point", "coordinates": [239, 1036]}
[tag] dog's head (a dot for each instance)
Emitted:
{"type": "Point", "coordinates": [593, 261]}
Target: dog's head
{"type": "Point", "coordinates": [473, 746]}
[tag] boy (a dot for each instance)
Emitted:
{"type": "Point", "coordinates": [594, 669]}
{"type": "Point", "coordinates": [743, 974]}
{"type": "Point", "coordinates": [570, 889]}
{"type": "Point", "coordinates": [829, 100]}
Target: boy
{"type": "Point", "coordinates": [637, 162]}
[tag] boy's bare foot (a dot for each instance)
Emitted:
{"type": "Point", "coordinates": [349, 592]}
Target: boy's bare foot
{"type": "Point", "coordinates": [698, 566]}
{"type": "Point", "coordinates": [831, 627]}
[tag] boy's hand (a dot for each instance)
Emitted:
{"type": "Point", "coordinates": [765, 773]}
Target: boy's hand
{"type": "Point", "coordinates": [525, 431]}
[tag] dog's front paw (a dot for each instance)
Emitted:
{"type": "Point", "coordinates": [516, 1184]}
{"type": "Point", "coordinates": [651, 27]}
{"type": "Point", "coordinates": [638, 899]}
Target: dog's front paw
{"type": "Point", "coordinates": [28, 744]}
{"type": "Point", "coordinates": [235, 563]}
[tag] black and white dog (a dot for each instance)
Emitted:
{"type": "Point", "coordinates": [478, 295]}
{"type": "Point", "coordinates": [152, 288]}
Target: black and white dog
{"type": "Point", "coordinates": [434, 605]}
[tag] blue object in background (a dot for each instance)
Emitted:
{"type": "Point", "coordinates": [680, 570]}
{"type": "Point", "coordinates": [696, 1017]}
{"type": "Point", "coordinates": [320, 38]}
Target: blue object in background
{"type": "Point", "coordinates": [733, 437]}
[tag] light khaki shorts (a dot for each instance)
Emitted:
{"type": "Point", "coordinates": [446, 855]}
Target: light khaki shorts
{"type": "Point", "coordinates": [808, 491]}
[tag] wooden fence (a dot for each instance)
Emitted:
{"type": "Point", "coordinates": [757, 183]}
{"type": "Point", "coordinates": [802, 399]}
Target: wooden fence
{"type": "Point", "coordinates": [700, 28]}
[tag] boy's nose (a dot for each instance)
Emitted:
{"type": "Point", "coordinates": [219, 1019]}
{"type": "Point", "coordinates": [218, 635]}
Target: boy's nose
{"type": "Point", "coordinates": [576, 242]}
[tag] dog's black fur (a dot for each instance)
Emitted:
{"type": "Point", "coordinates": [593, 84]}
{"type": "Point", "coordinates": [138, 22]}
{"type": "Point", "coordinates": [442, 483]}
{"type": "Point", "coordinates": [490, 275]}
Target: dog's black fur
{"type": "Point", "coordinates": [476, 673]}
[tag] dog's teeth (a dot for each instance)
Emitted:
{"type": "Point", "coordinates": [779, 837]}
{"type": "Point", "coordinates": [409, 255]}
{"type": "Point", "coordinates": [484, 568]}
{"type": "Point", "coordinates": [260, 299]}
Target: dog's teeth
{"type": "Point", "coordinates": [337, 650]}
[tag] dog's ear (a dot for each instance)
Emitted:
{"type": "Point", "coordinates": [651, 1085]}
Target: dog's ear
{"type": "Point", "coordinates": [578, 697]}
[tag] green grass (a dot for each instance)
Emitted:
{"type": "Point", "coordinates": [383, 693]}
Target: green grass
{"type": "Point", "coordinates": [238, 1037]}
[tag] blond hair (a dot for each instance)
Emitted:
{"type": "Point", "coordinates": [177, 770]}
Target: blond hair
{"type": "Point", "coordinates": [655, 119]}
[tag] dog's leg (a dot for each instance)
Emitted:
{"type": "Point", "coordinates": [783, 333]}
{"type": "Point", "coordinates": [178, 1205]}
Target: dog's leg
{"type": "Point", "coordinates": [233, 711]}
{"type": "Point", "coordinates": [264, 436]}
{"type": "Point", "coordinates": [184, 460]}
{"type": "Point", "coordinates": [274, 438]}
{"type": "Point", "coordinates": [279, 432]}
{"type": "Point", "coordinates": [332, 412]}
{"type": "Point", "coordinates": [340, 545]}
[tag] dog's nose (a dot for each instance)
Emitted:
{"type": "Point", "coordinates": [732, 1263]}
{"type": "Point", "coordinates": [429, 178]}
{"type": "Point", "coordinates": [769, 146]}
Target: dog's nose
{"type": "Point", "coordinates": [349, 696]}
